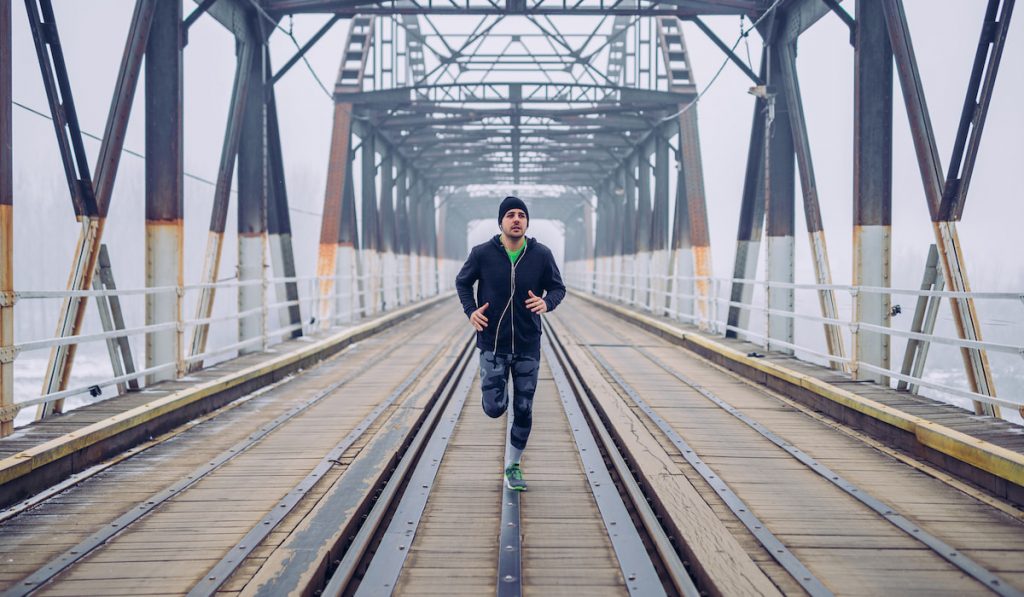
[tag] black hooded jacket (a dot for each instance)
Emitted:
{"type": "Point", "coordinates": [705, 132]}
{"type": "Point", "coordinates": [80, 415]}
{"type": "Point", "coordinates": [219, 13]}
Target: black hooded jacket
{"type": "Point", "coordinates": [511, 327]}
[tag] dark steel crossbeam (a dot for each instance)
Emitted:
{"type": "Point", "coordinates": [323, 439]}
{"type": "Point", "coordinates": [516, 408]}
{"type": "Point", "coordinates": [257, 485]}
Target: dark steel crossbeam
{"type": "Point", "coordinates": [972, 118]}
{"type": "Point", "coordinates": [534, 7]}
{"type": "Point", "coordinates": [727, 50]}
{"type": "Point", "coordinates": [62, 105]}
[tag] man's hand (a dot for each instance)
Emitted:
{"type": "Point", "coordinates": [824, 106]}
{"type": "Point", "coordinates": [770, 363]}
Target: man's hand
{"type": "Point", "coordinates": [477, 319]}
{"type": "Point", "coordinates": [536, 304]}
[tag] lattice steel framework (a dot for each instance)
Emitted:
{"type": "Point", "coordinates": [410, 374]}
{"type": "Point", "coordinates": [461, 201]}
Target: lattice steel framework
{"type": "Point", "coordinates": [439, 100]}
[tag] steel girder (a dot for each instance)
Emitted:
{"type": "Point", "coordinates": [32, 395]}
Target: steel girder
{"type": "Point", "coordinates": [458, 128]}
{"type": "Point", "coordinates": [534, 7]}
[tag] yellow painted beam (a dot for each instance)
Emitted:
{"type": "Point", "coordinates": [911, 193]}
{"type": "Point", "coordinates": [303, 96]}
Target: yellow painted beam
{"type": "Point", "coordinates": [978, 453]}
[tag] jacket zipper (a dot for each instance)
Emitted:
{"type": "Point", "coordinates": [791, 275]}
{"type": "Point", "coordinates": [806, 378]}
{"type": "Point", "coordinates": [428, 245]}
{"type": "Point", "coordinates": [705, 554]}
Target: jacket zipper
{"type": "Point", "coordinates": [509, 307]}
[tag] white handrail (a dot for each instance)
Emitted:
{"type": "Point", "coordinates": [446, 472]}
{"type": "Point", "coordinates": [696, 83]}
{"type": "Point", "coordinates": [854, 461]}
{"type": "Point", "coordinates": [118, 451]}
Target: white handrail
{"type": "Point", "coordinates": [630, 288]}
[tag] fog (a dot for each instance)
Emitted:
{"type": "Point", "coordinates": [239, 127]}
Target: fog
{"type": "Point", "coordinates": [945, 35]}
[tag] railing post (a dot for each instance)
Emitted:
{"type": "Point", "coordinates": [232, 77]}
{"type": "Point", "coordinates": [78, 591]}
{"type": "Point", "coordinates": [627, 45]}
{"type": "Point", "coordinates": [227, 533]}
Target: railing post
{"type": "Point", "coordinates": [6, 228]}
{"type": "Point", "coordinates": [181, 368]}
{"type": "Point", "coordinates": [165, 206]}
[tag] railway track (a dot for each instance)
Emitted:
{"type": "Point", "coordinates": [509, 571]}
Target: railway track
{"type": "Point", "coordinates": [385, 478]}
{"type": "Point", "coordinates": [640, 363]}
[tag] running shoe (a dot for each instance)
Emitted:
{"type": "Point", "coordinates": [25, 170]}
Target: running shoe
{"type": "Point", "coordinates": [514, 478]}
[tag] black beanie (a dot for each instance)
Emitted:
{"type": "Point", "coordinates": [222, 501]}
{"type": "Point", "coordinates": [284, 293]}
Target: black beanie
{"type": "Point", "coordinates": [512, 203]}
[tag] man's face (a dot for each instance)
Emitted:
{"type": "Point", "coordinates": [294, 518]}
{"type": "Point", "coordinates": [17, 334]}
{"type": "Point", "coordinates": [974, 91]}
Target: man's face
{"type": "Point", "coordinates": [514, 224]}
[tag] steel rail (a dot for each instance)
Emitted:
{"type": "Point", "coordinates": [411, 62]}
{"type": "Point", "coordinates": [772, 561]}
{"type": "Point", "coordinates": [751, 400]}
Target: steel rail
{"type": "Point", "coordinates": [384, 569]}
{"type": "Point", "coordinates": [617, 454]}
{"type": "Point", "coordinates": [450, 400]}
{"type": "Point", "coordinates": [570, 383]}
{"type": "Point", "coordinates": [800, 573]}
{"type": "Point", "coordinates": [222, 570]}
{"type": "Point", "coordinates": [509, 582]}
{"type": "Point", "coordinates": [956, 557]}
{"type": "Point", "coordinates": [70, 557]}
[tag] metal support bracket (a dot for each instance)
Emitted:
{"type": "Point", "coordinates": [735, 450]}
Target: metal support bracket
{"type": "Point", "coordinates": [7, 413]}
{"type": "Point", "coordinates": [8, 354]}
{"type": "Point", "coordinates": [8, 298]}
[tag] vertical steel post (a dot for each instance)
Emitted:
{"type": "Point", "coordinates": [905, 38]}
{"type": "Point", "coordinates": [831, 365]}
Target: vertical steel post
{"type": "Point", "coordinates": [682, 252]}
{"type": "Point", "coordinates": [812, 210]}
{"type": "Point", "coordinates": [628, 275]}
{"type": "Point", "coordinates": [371, 222]}
{"type": "Point", "coordinates": [751, 222]}
{"type": "Point", "coordinates": [696, 201]}
{"type": "Point", "coordinates": [165, 208]}
{"type": "Point", "coordinates": [348, 264]}
{"type": "Point", "coordinates": [339, 174]}
{"type": "Point", "coordinates": [415, 233]}
{"type": "Point", "coordinates": [643, 226]}
{"type": "Point", "coordinates": [588, 257]}
{"type": "Point", "coordinates": [389, 268]}
{"type": "Point", "coordinates": [252, 210]}
{"type": "Point", "coordinates": [7, 411]}
{"type": "Point", "coordinates": [872, 186]}
{"type": "Point", "coordinates": [402, 231]}
{"type": "Point", "coordinates": [947, 239]}
{"type": "Point", "coordinates": [780, 200]}
{"type": "Point", "coordinates": [659, 225]}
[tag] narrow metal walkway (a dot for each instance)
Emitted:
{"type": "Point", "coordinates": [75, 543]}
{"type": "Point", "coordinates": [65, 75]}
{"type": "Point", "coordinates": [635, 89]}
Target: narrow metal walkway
{"type": "Point", "coordinates": [651, 471]}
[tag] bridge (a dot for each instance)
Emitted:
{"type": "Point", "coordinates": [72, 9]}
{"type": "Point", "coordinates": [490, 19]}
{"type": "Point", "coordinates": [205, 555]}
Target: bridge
{"type": "Point", "coordinates": [300, 414]}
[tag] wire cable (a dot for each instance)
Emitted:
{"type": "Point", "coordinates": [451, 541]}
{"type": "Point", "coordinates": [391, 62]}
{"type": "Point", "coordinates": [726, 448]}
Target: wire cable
{"type": "Point", "coordinates": [721, 68]}
{"type": "Point", "coordinates": [143, 157]}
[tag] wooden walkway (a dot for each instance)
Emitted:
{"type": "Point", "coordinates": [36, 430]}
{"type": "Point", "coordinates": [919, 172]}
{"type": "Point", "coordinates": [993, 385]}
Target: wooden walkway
{"type": "Point", "coordinates": [759, 491]}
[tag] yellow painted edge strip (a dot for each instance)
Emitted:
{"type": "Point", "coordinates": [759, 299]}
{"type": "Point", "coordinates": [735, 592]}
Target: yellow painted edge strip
{"type": "Point", "coordinates": [979, 453]}
{"type": "Point", "coordinates": [26, 461]}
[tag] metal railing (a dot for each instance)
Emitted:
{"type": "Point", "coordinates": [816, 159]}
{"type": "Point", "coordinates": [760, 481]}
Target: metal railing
{"type": "Point", "coordinates": [676, 297]}
{"type": "Point", "coordinates": [352, 298]}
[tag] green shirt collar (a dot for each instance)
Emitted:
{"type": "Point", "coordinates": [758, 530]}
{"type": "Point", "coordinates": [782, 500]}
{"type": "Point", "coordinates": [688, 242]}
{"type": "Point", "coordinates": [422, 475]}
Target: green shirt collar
{"type": "Point", "coordinates": [513, 255]}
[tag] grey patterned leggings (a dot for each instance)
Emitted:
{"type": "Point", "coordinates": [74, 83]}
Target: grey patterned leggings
{"type": "Point", "coordinates": [494, 373]}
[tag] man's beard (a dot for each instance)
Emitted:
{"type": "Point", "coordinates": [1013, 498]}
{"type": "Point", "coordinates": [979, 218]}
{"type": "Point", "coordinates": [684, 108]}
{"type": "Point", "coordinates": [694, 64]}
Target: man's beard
{"type": "Point", "coordinates": [510, 234]}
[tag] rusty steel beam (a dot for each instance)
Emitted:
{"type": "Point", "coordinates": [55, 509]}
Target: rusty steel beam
{"type": "Point", "coordinates": [387, 228]}
{"type": "Point", "coordinates": [751, 221]}
{"type": "Point", "coordinates": [965, 316]}
{"type": "Point", "coordinates": [7, 411]}
{"type": "Point", "coordinates": [240, 91]}
{"type": "Point", "coordinates": [165, 209]}
{"type": "Point", "coordinates": [628, 230]}
{"type": "Point", "coordinates": [334, 235]}
{"type": "Point", "coordinates": [660, 225]}
{"type": "Point", "coordinates": [339, 174]}
{"type": "Point", "coordinates": [779, 207]}
{"type": "Point", "coordinates": [402, 230]}
{"type": "Point", "coordinates": [812, 209]}
{"type": "Point", "coordinates": [252, 210]}
{"type": "Point", "coordinates": [872, 187]}
{"type": "Point", "coordinates": [681, 267]}
{"type": "Point", "coordinates": [696, 201]}
{"type": "Point", "coordinates": [93, 194]}
{"type": "Point", "coordinates": [370, 220]}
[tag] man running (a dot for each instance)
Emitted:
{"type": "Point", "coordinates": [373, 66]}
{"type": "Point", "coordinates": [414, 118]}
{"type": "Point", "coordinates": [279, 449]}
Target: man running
{"type": "Point", "coordinates": [514, 273]}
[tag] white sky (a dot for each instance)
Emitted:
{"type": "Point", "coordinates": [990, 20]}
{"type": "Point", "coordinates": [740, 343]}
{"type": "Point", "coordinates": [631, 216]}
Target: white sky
{"type": "Point", "coordinates": [945, 37]}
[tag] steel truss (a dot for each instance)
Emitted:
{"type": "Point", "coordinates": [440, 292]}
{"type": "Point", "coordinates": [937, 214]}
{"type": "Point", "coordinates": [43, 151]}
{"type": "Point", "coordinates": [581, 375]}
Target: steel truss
{"type": "Point", "coordinates": [593, 121]}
